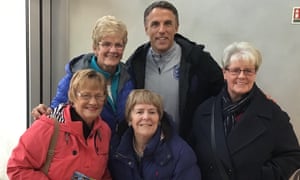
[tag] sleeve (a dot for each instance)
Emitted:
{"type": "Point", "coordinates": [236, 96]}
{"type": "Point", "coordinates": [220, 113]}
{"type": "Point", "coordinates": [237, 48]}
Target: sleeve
{"type": "Point", "coordinates": [286, 154]}
{"type": "Point", "coordinates": [58, 113]}
{"type": "Point", "coordinates": [30, 153]}
{"type": "Point", "coordinates": [186, 164]}
{"type": "Point", "coordinates": [62, 90]}
{"type": "Point", "coordinates": [212, 71]}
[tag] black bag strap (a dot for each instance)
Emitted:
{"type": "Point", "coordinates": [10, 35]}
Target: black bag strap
{"type": "Point", "coordinates": [213, 145]}
{"type": "Point", "coordinates": [51, 148]}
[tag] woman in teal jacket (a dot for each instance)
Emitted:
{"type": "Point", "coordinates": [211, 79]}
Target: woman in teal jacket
{"type": "Point", "coordinates": [109, 40]}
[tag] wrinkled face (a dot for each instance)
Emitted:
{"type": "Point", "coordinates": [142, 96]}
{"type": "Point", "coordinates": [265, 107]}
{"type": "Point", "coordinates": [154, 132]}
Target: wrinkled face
{"type": "Point", "coordinates": [240, 76]}
{"type": "Point", "coordinates": [89, 102]}
{"type": "Point", "coordinates": [161, 26]}
{"type": "Point", "coordinates": [109, 52]}
{"type": "Point", "coordinates": [144, 120]}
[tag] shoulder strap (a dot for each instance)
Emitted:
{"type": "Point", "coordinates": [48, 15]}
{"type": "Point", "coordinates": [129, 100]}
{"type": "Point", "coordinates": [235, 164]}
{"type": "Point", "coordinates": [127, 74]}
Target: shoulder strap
{"type": "Point", "coordinates": [51, 148]}
{"type": "Point", "coordinates": [213, 145]}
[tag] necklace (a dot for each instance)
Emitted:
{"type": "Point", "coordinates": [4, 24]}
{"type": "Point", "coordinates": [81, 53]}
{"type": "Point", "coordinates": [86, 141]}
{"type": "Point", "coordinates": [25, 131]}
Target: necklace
{"type": "Point", "coordinates": [138, 153]}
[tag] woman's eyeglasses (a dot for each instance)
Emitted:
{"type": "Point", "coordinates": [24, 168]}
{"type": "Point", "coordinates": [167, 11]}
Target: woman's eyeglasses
{"type": "Point", "coordinates": [237, 71]}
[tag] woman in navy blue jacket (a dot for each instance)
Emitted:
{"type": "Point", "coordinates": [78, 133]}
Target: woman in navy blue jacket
{"type": "Point", "coordinates": [150, 148]}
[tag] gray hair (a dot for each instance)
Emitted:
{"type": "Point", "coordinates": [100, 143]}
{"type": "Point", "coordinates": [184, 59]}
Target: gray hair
{"type": "Point", "coordinates": [247, 52]}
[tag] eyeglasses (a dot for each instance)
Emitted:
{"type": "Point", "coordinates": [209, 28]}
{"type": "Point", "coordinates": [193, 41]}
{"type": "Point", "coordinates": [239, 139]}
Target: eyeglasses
{"type": "Point", "coordinates": [109, 45]}
{"type": "Point", "coordinates": [87, 97]}
{"type": "Point", "coordinates": [237, 71]}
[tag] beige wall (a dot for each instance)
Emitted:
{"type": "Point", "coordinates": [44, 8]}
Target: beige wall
{"type": "Point", "coordinates": [215, 23]}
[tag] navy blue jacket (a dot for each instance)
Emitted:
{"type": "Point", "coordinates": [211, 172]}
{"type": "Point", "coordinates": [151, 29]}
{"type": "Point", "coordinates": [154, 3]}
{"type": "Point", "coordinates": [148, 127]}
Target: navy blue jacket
{"type": "Point", "coordinates": [261, 146]}
{"type": "Point", "coordinates": [109, 116]}
{"type": "Point", "coordinates": [164, 158]}
{"type": "Point", "coordinates": [200, 77]}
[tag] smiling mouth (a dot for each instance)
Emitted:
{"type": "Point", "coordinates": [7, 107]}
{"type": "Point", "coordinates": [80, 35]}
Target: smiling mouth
{"type": "Point", "coordinates": [112, 55]}
{"type": "Point", "coordinates": [92, 108]}
{"type": "Point", "coordinates": [161, 38]}
{"type": "Point", "coordinates": [145, 124]}
{"type": "Point", "coordinates": [241, 83]}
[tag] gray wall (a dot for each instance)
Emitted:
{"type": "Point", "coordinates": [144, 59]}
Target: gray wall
{"type": "Point", "coordinates": [215, 23]}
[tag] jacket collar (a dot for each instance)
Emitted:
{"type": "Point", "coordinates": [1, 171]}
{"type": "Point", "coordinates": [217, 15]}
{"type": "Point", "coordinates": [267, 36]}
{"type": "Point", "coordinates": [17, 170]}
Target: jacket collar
{"type": "Point", "coordinates": [156, 148]}
{"type": "Point", "coordinates": [251, 124]}
{"type": "Point", "coordinates": [249, 128]}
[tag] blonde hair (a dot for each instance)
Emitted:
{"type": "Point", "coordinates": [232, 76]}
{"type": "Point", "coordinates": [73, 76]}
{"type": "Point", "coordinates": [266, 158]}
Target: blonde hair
{"type": "Point", "coordinates": [143, 96]}
{"type": "Point", "coordinates": [108, 25]}
{"type": "Point", "coordinates": [80, 80]}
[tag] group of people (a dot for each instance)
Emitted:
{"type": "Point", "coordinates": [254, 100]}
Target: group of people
{"type": "Point", "coordinates": [170, 112]}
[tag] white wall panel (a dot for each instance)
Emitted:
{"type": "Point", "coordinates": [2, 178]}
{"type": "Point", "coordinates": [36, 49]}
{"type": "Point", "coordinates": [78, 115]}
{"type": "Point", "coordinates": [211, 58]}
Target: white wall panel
{"type": "Point", "coordinates": [13, 77]}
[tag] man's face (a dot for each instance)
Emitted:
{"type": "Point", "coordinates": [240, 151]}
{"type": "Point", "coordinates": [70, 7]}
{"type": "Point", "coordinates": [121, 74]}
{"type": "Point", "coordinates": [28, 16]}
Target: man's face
{"type": "Point", "coordinates": [161, 27]}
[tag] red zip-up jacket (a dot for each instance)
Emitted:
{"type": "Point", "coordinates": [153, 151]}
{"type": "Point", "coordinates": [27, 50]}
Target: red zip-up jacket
{"type": "Point", "coordinates": [73, 153]}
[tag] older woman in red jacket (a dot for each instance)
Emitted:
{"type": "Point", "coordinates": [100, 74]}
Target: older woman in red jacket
{"type": "Point", "coordinates": [83, 138]}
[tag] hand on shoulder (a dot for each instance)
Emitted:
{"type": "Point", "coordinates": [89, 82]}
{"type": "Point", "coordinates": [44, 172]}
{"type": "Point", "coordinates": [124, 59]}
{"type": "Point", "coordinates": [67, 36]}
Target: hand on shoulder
{"type": "Point", "coordinates": [40, 110]}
